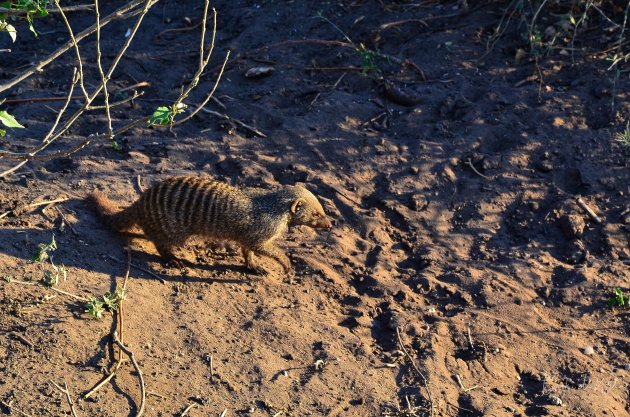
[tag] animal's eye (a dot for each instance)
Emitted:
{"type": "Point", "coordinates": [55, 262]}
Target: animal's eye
{"type": "Point", "coordinates": [316, 214]}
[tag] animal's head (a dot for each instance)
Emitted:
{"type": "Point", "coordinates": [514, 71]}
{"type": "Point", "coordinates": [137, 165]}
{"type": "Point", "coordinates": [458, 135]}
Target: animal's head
{"type": "Point", "coordinates": [306, 210]}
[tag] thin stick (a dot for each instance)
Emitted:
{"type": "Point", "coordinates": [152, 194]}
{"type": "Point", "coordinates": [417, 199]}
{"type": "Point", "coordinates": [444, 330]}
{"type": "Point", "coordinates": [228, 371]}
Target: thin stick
{"type": "Point", "coordinates": [139, 268]}
{"type": "Point", "coordinates": [187, 409]}
{"type": "Point", "coordinates": [10, 407]}
{"type": "Point", "coordinates": [39, 99]}
{"type": "Point", "coordinates": [103, 381]}
{"type": "Point", "coordinates": [415, 367]}
{"type": "Point", "coordinates": [131, 356]}
{"type": "Point", "coordinates": [470, 341]}
{"type": "Point", "coordinates": [23, 339]}
{"type": "Point", "coordinates": [76, 47]}
{"type": "Point", "coordinates": [203, 63]}
{"type": "Point", "coordinates": [31, 154]}
{"type": "Point", "coordinates": [588, 210]}
{"type": "Point", "coordinates": [470, 164]}
{"type": "Point", "coordinates": [238, 122]}
{"type": "Point", "coordinates": [75, 79]}
{"type": "Point", "coordinates": [117, 15]}
{"type": "Point", "coordinates": [63, 217]}
{"type": "Point", "coordinates": [99, 64]}
{"type": "Point", "coordinates": [19, 12]}
{"type": "Point", "coordinates": [334, 87]}
{"type": "Point", "coordinates": [211, 370]}
{"type": "Point", "coordinates": [76, 297]}
{"type": "Point", "coordinates": [32, 205]}
{"type": "Point", "coordinates": [121, 322]}
{"type": "Point", "coordinates": [66, 391]}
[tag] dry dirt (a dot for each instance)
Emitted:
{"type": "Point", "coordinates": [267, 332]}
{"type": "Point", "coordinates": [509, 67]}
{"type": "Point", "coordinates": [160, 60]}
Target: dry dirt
{"type": "Point", "coordinates": [498, 281]}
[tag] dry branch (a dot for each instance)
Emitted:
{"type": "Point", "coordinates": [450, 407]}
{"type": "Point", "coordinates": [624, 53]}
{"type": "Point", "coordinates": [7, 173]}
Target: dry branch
{"type": "Point", "coordinates": [131, 356]}
{"type": "Point", "coordinates": [418, 371]}
{"type": "Point", "coordinates": [124, 12]}
{"type": "Point", "coordinates": [66, 391]}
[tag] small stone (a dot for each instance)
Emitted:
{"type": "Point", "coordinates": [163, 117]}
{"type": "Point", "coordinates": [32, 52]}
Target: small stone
{"type": "Point", "coordinates": [418, 202]}
{"type": "Point", "coordinates": [544, 166]}
{"type": "Point", "coordinates": [555, 400]}
{"type": "Point", "coordinates": [627, 367]}
{"type": "Point", "coordinates": [588, 350]}
{"type": "Point", "coordinates": [414, 170]}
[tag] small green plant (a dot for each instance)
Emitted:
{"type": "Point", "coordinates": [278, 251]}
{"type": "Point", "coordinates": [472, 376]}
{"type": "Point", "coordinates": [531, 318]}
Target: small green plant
{"type": "Point", "coordinates": [21, 9]}
{"type": "Point", "coordinates": [164, 116]}
{"type": "Point", "coordinates": [623, 138]}
{"type": "Point", "coordinates": [51, 276]}
{"type": "Point", "coordinates": [95, 307]}
{"type": "Point", "coordinates": [619, 299]}
{"type": "Point", "coordinates": [106, 302]}
{"type": "Point", "coordinates": [116, 146]}
{"type": "Point", "coordinates": [6, 119]}
{"type": "Point", "coordinates": [368, 60]}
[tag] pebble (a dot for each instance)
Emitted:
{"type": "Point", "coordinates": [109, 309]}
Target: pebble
{"type": "Point", "coordinates": [555, 400]}
{"type": "Point", "coordinates": [588, 350]}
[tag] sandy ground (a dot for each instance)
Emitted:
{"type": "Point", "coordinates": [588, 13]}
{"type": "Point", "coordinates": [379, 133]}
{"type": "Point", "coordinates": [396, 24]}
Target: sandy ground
{"type": "Point", "coordinates": [452, 192]}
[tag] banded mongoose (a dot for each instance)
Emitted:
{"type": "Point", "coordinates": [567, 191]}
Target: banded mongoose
{"type": "Point", "coordinates": [177, 208]}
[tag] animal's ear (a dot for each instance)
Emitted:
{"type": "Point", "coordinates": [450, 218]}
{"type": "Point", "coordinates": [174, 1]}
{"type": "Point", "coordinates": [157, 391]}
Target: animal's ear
{"type": "Point", "coordinates": [296, 204]}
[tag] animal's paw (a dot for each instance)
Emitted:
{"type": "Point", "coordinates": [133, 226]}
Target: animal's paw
{"type": "Point", "coordinates": [175, 263]}
{"type": "Point", "coordinates": [258, 270]}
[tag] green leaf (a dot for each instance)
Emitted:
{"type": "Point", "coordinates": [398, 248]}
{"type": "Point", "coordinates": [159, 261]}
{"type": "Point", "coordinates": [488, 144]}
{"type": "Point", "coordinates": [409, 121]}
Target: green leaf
{"type": "Point", "coordinates": [3, 133]}
{"type": "Point", "coordinates": [161, 116]}
{"type": "Point", "coordinates": [95, 307]}
{"type": "Point", "coordinates": [8, 120]}
{"type": "Point", "coordinates": [572, 19]}
{"type": "Point", "coordinates": [5, 27]}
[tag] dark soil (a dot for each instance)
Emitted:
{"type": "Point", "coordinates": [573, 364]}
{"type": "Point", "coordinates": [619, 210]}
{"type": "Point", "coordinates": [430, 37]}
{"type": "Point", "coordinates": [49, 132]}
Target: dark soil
{"type": "Point", "coordinates": [452, 186]}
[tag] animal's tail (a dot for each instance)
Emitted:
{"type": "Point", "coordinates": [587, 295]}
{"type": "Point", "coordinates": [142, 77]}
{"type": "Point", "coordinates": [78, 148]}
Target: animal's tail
{"type": "Point", "coordinates": [107, 211]}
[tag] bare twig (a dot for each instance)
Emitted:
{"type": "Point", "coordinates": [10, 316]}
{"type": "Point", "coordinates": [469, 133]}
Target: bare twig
{"type": "Point", "coordinates": [333, 88]}
{"type": "Point", "coordinates": [10, 407]}
{"type": "Point", "coordinates": [76, 47]}
{"type": "Point", "coordinates": [203, 63]}
{"type": "Point", "coordinates": [23, 339]}
{"type": "Point", "coordinates": [63, 217]}
{"type": "Point", "coordinates": [187, 409]}
{"type": "Point", "coordinates": [19, 12]}
{"type": "Point", "coordinates": [39, 99]}
{"type": "Point", "coordinates": [236, 121]}
{"type": "Point", "coordinates": [470, 164]}
{"type": "Point", "coordinates": [66, 391]}
{"type": "Point", "coordinates": [103, 381]}
{"type": "Point", "coordinates": [418, 371]}
{"type": "Point", "coordinates": [33, 205]}
{"type": "Point", "coordinates": [99, 65]}
{"type": "Point", "coordinates": [75, 79]}
{"type": "Point", "coordinates": [124, 12]}
{"type": "Point", "coordinates": [588, 210]}
{"type": "Point", "coordinates": [131, 356]}
{"type": "Point", "coordinates": [139, 268]}
{"type": "Point", "coordinates": [120, 326]}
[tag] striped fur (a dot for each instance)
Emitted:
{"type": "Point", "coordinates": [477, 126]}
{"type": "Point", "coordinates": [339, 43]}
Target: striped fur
{"type": "Point", "coordinates": [175, 209]}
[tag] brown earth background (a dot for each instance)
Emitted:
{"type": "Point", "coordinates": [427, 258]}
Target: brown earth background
{"type": "Point", "coordinates": [450, 172]}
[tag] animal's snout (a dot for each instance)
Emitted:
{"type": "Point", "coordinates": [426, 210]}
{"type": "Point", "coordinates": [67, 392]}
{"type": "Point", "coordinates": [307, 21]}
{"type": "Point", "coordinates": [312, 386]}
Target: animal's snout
{"type": "Point", "coordinates": [324, 224]}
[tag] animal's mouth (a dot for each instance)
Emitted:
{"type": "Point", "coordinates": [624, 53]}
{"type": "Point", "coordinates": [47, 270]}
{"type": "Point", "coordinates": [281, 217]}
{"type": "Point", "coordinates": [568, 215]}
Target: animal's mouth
{"type": "Point", "coordinates": [325, 224]}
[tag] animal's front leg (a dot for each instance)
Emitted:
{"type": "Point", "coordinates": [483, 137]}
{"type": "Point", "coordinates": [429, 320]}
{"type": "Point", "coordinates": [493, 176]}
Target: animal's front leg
{"type": "Point", "coordinates": [248, 254]}
{"type": "Point", "coordinates": [274, 252]}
